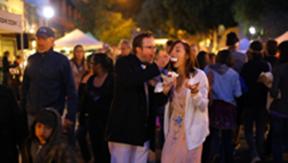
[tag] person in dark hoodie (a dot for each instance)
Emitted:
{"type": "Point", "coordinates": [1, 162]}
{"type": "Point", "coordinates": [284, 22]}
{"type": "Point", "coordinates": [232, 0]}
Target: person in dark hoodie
{"type": "Point", "coordinates": [44, 143]}
{"type": "Point", "coordinates": [225, 85]}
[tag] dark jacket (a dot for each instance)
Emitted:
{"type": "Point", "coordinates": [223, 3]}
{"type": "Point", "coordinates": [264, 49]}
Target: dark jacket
{"type": "Point", "coordinates": [129, 115]}
{"type": "Point", "coordinates": [256, 96]}
{"type": "Point", "coordinates": [54, 151]}
{"type": "Point", "coordinates": [48, 82]}
{"type": "Point", "coordinates": [280, 89]}
{"type": "Point", "coordinates": [13, 126]}
{"type": "Point", "coordinates": [5, 68]}
{"type": "Point", "coordinates": [272, 60]}
{"type": "Point", "coordinates": [96, 101]}
{"type": "Point", "coordinates": [5, 64]}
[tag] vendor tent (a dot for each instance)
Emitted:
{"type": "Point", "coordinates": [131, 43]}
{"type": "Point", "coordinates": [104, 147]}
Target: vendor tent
{"type": "Point", "coordinates": [77, 37]}
{"type": "Point", "coordinates": [282, 37]}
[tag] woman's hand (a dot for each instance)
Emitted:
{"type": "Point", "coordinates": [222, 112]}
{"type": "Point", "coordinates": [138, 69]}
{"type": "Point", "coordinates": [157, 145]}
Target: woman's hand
{"type": "Point", "coordinates": [194, 88]}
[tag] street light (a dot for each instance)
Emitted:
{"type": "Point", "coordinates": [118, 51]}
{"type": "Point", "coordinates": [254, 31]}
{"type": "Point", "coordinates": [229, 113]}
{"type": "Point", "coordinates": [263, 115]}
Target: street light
{"type": "Point", "coordinates": [252, 30]}
{"type": "Point", "coordinates": [48, 13]}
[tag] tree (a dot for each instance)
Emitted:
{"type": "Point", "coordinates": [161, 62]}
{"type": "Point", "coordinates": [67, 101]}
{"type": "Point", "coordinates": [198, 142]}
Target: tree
{"type": "Point", "coordinates": [153, 16]}
{"type": "Point", "coordinates": [104, 22]}
{"type": "Point", "coordinates": [200, 16]}
{"type": "Point", "coordinates": [270, 16]}
{"type": "Point", "coordinates": [112, 27]}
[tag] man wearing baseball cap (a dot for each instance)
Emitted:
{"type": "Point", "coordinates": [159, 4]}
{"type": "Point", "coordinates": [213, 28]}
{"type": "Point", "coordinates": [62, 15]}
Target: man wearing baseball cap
{"type": "Point", "coordinates": [48, 80]}
{"type": "Point", "coordinates": [45, 39]}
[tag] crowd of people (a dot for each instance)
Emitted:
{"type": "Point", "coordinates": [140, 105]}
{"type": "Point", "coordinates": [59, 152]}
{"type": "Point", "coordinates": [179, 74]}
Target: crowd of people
{"type": "Point", "coordinates": [110, 109]}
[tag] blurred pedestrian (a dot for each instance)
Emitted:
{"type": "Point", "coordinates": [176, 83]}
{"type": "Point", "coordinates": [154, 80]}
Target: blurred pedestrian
{"type": "Point", "coordinates": [13, 126]}
{"type": "Point", "coordinates": [168, 45]}
{"type": "Point", "coordinates": [202, 59]}
{"type": "Point", "coordinates": [78, 64]}
{"type": "Point", "coordinates": [237, 62]}
{"type": "Point", "coordinates": [225, 88]}
{"type": "Point", "coordinates": [270, 56]}
{"type": "Point", "coordinates": [125, 48]}
{"type": "Point", "coordinates": [6, 66]}
{"type": "Point", "coordinates": [48, 82]}
{"type": "Point", "coordinates": [279, 111]}
{"type": "Point", "coordinates": [255, 100]}
{"type": "Point", "coordinates": [158, 112]}
{"type": "Point", "coordinates": [15, 77]}
{"type": "Point", "coordinates": [82, 130]}
{"type": "Point", "coordinates": [271, 49]}
{"type": "Point", "coordinates": [212, 58]}
{"type": "Point", "coordinates": [238, 58]}
{"type": "Point", "coordinates": [194, 50]}
{"type": "Point", "coordinates": [96, 101]}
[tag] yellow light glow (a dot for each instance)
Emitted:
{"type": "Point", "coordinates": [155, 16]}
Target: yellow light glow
{"type": "Point", "coordinates": [33, 43]}
{"type": "Point", "coordinates": [161, 41]}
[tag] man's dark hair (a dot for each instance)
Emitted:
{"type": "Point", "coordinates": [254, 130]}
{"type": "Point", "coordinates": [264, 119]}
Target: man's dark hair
{"type": "Point", "coordinates": [283, 49]}
{"type": "Point", "coordinates": [256, 46]}
{"type": "Point", "coordinates": [231, 39]}
{"type": "Point", "coordinates": [201, 59]}
{"type": "Point", "coordinates": [271, 47]}
{"type": "Point", "coordinates": [169, 43]}
{"type": "Point", "coordinates": [255, 49]}
{"type": "Point", "coordinates": [6, 53]}
{"type": "Point", "coordinates": [224, 57]}
{"type": "Point", "coordinates": [138, 40]}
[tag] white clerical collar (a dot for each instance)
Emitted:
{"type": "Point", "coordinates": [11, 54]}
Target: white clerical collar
{"type": "Point", "coordinates": [143, 66]}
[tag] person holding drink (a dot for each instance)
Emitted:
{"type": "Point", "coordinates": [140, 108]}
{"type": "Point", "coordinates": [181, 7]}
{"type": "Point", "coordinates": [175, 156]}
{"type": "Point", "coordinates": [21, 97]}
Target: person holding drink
{"type": "Point", "coordinates": [186, 113]}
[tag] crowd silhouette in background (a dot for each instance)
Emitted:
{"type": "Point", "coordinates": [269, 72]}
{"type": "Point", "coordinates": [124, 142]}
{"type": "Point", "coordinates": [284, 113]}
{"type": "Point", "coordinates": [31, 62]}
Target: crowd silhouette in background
{"type": "Point", "coordinates": [110, 109]}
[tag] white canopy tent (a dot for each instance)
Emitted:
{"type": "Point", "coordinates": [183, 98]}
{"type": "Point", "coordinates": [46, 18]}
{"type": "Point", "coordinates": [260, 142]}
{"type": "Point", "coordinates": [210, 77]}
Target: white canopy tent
{"type": "Point", "coordinates": [282, 37]}
{"type": "Point", "coordinates": [77, 37]}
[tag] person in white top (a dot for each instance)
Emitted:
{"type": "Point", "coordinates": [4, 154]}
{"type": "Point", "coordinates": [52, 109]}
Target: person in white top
{"type": "Point", "coordinates": [186, 122]}
{"type": "Point", "coordinates": [78, 64]}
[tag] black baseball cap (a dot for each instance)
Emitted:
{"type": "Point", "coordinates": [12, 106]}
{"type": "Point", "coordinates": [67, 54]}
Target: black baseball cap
{"type": "Point", "coordinates": [45, 32]}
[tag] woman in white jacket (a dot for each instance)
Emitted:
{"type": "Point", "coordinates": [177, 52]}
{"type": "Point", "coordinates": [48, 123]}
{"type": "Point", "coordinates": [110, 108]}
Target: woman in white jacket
{"type": "Point", "coordinates": [186, 114]}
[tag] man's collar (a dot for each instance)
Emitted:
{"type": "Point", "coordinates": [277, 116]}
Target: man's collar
{"type": "Point", "coordinates": [46, 52]}
{"type": "Point", "coordinates": [140, 62]}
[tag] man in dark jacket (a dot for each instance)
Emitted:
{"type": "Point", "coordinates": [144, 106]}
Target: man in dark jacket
{"type": "Point", "coordinates": [128, 124]}
{"type": "Point", "coordinates": [255, 100]}
{"type": "Point", "coordinates": [48, 80]}
{"type": "Point", "coordinates": [279, 106]}
{"type": "Point", "coordinates": [13, 127]}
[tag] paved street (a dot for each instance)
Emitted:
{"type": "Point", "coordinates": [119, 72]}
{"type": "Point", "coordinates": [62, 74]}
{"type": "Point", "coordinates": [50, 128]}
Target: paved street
{"type": "Point", "coordinates": [241, 154]}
